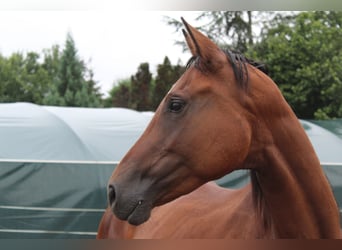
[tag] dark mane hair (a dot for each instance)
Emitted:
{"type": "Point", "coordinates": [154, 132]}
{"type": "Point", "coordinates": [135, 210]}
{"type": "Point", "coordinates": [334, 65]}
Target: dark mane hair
{"type": "Point", "coordinates": [238, 62]}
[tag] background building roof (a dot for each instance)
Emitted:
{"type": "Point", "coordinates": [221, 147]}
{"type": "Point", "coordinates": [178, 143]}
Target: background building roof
{"type": "Point", "coordinates": [33, 132]}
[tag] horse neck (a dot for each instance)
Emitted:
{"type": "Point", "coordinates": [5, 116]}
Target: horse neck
{"type": "Point", "coordinates": [292, 195]}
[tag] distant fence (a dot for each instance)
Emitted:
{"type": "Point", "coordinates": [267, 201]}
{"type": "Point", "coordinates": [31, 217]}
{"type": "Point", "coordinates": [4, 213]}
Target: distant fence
{"type": "Point", "coordinates": [50, 199]}
{"type": "Point", "coordinates": [66, 199]}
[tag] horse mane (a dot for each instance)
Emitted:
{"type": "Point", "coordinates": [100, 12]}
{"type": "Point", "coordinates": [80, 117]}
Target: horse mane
{"type": "Point", "coordinates": [239, 64]}
{"type": "Point", "coordinates": [259, 202]}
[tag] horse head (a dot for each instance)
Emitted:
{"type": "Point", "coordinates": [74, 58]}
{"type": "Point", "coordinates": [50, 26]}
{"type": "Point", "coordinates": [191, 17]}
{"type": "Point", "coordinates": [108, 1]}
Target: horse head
{"type": "Point", "coordinates": [200, 132]}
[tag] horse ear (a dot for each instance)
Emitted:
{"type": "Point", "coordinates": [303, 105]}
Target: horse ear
{"type": "Point", "coordinates": [190, 43]}
{"type": "Point", "coordinates": [202, 47]}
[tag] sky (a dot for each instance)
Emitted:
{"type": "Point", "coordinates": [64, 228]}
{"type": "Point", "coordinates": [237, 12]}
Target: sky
{"type": "Point", "coordinates": [113, 43]}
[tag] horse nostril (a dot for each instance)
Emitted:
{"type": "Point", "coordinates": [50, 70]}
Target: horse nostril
{"type": "Point", "coordinates": [111, 194]}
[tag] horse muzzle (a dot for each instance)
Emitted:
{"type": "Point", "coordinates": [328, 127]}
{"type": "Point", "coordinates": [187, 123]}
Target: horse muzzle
{"type": "Point", "coordinates": [132, 207]}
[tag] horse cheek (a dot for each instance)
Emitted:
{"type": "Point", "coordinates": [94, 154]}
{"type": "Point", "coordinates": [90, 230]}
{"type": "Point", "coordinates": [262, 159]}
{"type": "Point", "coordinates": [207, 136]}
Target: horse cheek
{"type": "Point", "coordinates": [232, 149]}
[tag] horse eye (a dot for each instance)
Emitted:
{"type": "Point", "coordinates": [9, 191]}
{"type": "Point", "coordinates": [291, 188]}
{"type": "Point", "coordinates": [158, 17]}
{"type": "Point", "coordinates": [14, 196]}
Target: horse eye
{"type": "Point", "coordinates": [176, 105]}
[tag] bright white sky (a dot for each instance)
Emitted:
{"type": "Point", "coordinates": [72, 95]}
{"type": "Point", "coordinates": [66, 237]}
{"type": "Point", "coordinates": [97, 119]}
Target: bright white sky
{"type": "Point", "coordinates": [115, 42]}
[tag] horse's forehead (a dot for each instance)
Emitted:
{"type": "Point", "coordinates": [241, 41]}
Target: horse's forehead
{"type": "Point", "coordinates": [179, 84]}
{"type": "Point", "coordinates": [192, 79]}
{"type": "Point", "coordinates": [172, 88]}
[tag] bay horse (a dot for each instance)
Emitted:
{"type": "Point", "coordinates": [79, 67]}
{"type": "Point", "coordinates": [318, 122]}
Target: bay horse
{"type": "Point", "coordinates": [223, 114]}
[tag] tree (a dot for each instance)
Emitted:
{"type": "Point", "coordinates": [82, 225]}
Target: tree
{"type": "Point", "coordinates": [22, 78]}
{"type": "Point", "coordinates": [92, 89]}
{"type": "Point", "coordinates": [35, 79]}
{"type": "Point", "coordinates": [73, 82]}
{"type": "Point", "coordinates": [120, 95]}
{"type": "Point", "coordinates": [236, 30]}
{"type": "Point", "coordinates": [61, 79]}
{"type": "Point", "coordinates": [304, 56]}
{"type": "Point", "coordinates": [167, 75]}
{"type": "Point", "coordinates": [142, 92]}
{"type": "Point", "coordinates": [52, 59]}
{"type": "Point", "coordinates": [10, 82]}
{"type": "Point", "coordinates": [234, 25]}
{"type": "Point", "coordinates": [140, 88]}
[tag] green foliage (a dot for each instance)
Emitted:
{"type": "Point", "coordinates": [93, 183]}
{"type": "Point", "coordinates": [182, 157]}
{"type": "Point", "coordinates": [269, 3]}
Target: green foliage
{"type": "Point", "coordinates": [134, 92]}
{"type": "Point", "coordinates": [304, 56]}
{"type": "Point", "coordinates": [303, 52]}
{"type": "Point", "coordinates": [142, 91]}
{"type": "Point", "coordinates": [140, 88]}
{"type": "Point", "coordinates": [58, 78]}
{"type": "Point", "coordinates": [70, 84]}
{"type": "Point", "coordinates": [22, 78]}
{"type": "Point", "coordinates": [120, 95]}
{"type": "Point", "coordinates": [235, 25]}
{"type": "Point", "coordinates": [237, 30]}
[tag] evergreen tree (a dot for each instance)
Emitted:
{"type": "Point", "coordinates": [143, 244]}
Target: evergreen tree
{"type": "Point", "coordinates": [140, 88]}
{"type": "Point", "coordinates": [92, 90]}
{"type": "Point", "coordinates": [142, 92]}
{"type": "Point", "coordinates": [70, 75]}
{"type": "Point", "coordinates": [72, 88]}
{"type": "Point", "coordinates": [52, 59]}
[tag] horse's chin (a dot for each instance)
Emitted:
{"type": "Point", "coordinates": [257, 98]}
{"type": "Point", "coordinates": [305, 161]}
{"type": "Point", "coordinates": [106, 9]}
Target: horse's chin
{"type": "Point", "coordinates": [135, 216]}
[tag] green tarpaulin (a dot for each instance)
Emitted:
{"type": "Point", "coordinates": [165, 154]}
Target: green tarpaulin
{"type": "Point", "coordinates": [55, 163]}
